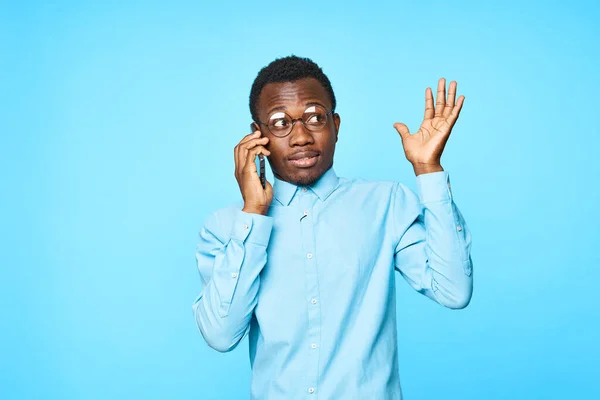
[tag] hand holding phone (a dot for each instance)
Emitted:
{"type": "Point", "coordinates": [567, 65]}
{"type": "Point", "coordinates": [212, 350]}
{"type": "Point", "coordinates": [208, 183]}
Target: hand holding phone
{"type": "Point", "coordinates": [257, 193]}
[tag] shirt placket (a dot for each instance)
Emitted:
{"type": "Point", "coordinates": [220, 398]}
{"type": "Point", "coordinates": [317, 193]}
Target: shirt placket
{"type": "Point", "coordinates": [307, 201]}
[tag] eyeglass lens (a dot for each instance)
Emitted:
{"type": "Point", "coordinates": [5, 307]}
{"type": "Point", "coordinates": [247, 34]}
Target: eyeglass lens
{"type": "Point", "coordinates": [314, 118]}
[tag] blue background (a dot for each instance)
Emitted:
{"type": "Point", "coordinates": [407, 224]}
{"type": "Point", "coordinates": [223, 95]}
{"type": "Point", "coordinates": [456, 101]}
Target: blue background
{"type": "Point", "coordinates": [117, 127]}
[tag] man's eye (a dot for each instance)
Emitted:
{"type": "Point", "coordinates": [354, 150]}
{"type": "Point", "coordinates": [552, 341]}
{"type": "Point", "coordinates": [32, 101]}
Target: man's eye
{"type": "Point", "coordinates": [279, 123]}
{"type": "Point", "coordinates": [315, 119]}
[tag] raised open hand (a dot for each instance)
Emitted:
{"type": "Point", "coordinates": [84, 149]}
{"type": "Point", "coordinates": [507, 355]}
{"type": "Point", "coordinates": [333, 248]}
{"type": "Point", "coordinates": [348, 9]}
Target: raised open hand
{"type": "Point", "coordinates": [424, 148]}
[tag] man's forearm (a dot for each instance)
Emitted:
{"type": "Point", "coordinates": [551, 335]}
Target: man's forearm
{"type": "Point", "coordinates": [447, 242]}
{"type": "Point", "coordinates": [230, 269]}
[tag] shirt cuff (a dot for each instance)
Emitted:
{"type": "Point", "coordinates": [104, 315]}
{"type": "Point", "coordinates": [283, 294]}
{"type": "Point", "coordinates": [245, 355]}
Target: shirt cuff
{"type": "Point", "coordinates": [434, 187]}
{"type": "Point", "coordinates": [254, 228]}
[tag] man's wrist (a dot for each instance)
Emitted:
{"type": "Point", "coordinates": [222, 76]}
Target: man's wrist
{"type": "Point", "coordinates": [254, 210]}
{"type": "Point", "coordinates": [426, 168]}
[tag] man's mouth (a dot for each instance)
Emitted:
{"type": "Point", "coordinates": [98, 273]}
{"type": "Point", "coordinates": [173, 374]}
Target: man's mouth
{"type": "Point", "coordinates": [305, 162]}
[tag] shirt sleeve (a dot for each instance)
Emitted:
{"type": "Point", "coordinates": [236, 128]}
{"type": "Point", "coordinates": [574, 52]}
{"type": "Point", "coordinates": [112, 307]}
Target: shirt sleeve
{"type": "Point", "coordinates": [434, 242]}
{"type": "Point", "coordinates": [230, 257]}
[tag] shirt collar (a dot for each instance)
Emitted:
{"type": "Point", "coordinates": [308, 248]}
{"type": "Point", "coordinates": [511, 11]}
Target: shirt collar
{"type": "Point", "coordinates": [284, 191]}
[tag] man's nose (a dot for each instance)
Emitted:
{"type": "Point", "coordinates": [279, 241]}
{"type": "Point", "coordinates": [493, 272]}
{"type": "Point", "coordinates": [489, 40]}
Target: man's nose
{"type": "Point", "coordinates": [299, 132]}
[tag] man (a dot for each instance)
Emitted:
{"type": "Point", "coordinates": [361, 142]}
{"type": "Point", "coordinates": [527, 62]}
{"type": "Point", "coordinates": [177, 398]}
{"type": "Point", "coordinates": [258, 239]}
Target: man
{"type": "Point", "coordinates": [306, 266]}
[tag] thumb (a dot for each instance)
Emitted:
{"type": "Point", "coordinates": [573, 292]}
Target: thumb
{"type": "Point", "coordinates": [402, 130]}
{"type": "Point", "coordinates": [269, 190]}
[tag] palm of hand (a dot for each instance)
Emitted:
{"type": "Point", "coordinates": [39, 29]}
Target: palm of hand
{"type": "Point", "coordinates": [425, 147]}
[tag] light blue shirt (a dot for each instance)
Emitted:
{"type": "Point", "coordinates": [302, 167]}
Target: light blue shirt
{"type": "Point", "coordinates": [312, 283]}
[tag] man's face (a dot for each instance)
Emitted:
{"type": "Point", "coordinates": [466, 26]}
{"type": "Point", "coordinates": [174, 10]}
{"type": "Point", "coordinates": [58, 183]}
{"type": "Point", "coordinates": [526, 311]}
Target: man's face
{"type": "Point", "coordinates": [293, 98]}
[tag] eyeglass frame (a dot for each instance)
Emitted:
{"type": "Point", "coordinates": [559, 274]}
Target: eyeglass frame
{"type": "Point", "coordinates": [298, 119]}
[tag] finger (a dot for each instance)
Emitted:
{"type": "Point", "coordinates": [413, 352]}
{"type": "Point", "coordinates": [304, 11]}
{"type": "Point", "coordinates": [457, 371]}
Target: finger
{"type": "Point", "coordinates": [250, 136]}
{"type": "Point", "coordinates": [269, 189]}
{"type": "Point", "coordinates": [247, 138]}
{"type": "Point", "coordinates": [440, 102]}
{"type": "Point", "coordinates": [253, 142]}
{"type": "Point", "coordinates": [250, 163]}
{"type": "Point", "coordinates": [456, 111]}
{"type": "Point", "coordinates": [242, 148]}
{"type": "Point", "coordinates": [236, 150]}
{"type": "Point", "coordinates": [245, 147]}
{"type": "Point", "coordinates": [402, 130]}
{"type": "Point", "coordinates": [428, 104]}
{"type": "Point", "coordinates": [451, 99]}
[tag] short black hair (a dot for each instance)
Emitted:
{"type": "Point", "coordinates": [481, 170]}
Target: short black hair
{"type": "Point", "coordinates": [288, 69]}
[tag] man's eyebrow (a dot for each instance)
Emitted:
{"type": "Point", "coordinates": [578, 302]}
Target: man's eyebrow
{"type": "Point", "coordinates": [315, 103]}
{"type": "Point", "coordinates": [276, 108]}
{"type": "Point", "coordinates": [310, 103]}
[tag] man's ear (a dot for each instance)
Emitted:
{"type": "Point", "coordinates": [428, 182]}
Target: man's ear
{"type": "Point", "coordinates": [253, 126]}
{"type": "Point", "coordinates": [336, 122]}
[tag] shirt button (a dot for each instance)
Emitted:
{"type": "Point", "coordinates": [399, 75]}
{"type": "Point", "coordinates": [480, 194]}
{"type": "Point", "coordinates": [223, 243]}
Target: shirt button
{"type": "Point", "coordinates": [304, 189]}
{"type": "Point", "coordinates": [459, 228]}
{"type": "Point", "coordinates": [311, 390]}
{"type": "Point", "coordinates": [245, 226]}
{"type": "Point", "coordinates": [309, 255]}
{"type": "Point", "coordinates": [314, 345]}
{"type": "Point", "coordinates": [234, 275]}
{"type": "Point", "coordinates": [314, 301]}
{"type": "Point", "coordinates": [306, 212]}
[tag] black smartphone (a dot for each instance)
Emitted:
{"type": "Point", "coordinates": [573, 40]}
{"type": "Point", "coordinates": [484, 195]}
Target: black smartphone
{"type": "Point", "coordinates": [261, 161]}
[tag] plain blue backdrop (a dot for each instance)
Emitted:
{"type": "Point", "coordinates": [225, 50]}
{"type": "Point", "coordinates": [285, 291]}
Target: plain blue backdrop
{"type": "Point", "coordinates": [117, 128]}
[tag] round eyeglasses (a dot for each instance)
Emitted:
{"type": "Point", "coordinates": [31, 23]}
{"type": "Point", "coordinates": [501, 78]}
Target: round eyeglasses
{"type": "Point", "coordinates": [314, 119]}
